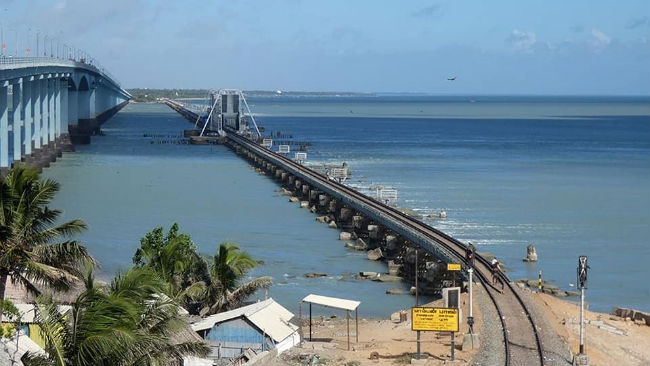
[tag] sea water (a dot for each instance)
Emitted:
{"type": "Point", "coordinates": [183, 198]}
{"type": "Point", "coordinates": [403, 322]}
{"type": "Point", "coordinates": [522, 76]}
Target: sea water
{"type": "Point", "coordinates": [570, 175]}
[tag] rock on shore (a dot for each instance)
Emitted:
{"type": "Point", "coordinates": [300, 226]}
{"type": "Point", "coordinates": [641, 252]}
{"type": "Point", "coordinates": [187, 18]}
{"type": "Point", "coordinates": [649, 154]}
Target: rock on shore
{"type": "Point", "coordinates": [375, 254]}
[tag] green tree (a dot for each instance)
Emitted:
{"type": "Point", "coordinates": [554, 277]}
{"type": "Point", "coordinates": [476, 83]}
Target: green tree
{"type": "Point", "coordinates": [127, 323]}
{"type": "Point", "coordinates": [224, 289]}
{"type": "Point", "coordinates": [32, 246]}
{"type": "Point", "coordinates": [173, 257]}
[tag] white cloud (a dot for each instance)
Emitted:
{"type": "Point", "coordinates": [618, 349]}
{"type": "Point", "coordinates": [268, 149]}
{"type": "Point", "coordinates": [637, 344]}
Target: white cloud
{"type": "Point", "coordinates": [522, 40]}
{"type": "Point", "coordinates": [600, 39]}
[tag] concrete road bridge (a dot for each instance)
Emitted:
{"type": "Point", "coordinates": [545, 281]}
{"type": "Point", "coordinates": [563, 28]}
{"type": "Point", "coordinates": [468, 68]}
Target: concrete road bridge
{"type": "Point", "coordinates": [48, 104]}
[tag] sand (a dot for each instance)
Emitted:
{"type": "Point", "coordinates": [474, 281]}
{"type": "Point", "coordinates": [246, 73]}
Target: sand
{"type": "Point", "coordinates": [602, 344]}
{"type": "Point", "coordinates": [393, 343]}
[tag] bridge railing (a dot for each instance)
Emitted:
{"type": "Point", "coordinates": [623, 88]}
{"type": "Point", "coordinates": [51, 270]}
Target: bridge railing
{"type": "Point", "coordinates": [7, 62]}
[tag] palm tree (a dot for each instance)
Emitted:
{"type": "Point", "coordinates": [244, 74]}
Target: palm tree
{"type": "Point", "coordinates": [125, 324]}
{"type": "Point", "coordinates": [31, 250]}
{"type": "Point", "coordinates": [173, 257]}
{"type": "Point", "coordinates": [224, 290]}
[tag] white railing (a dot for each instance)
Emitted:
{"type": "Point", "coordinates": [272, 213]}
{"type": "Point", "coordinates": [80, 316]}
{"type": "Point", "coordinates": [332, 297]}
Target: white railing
{"type": "Point", "coordinates": [9, 62]}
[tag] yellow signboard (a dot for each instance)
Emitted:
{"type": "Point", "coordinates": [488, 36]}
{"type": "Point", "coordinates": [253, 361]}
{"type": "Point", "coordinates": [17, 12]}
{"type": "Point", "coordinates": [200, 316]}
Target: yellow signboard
{"type": "Point", "coordinates": [434, 319]}
{"type": "Point", "coordinates": [453, 266]}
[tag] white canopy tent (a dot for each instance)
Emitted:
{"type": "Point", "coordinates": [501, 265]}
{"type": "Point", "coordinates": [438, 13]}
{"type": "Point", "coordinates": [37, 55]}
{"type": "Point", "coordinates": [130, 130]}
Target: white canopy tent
{"type": "Point", "coordinates": [336, 303]}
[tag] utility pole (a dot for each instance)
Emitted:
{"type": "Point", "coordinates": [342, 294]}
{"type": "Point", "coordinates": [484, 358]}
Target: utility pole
{"type": "Point", "coordinates": [581, 358]}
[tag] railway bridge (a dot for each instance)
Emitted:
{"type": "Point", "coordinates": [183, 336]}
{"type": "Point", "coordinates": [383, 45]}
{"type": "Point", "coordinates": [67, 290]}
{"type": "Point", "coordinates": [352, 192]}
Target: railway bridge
{"type": "Point", "coordinates": [397, 234]}
{"type": "Point", "coordinates": [48, 104]}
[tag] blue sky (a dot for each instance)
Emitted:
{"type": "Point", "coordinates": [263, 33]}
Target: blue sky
{"type": "Point", "coordinates": [492, 47]}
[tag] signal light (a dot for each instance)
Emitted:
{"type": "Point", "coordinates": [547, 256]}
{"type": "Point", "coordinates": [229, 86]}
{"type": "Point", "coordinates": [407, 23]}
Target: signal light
{"type": "Point", "coordinates": [469, 255]}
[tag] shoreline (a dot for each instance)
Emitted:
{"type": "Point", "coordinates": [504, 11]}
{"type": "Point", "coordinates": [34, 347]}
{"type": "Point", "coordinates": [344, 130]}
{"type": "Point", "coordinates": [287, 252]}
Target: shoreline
{"type": "Point", "coordinates": [387, 342]}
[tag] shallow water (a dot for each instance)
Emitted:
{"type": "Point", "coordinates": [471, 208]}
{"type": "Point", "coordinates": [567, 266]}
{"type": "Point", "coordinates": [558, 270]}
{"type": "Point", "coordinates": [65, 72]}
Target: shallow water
{"type": "Point", "coordinates": [571, 176]}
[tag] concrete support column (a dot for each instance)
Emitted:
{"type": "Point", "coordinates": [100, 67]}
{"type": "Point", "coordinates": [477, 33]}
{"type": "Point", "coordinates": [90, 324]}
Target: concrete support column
{"type": "Point", "coordinates": [4, 125]}
{"type": "Point", "coordinates": [57, 106]}
{"type": "Point", "coordinates": [45, 112]}
{"type": "Point", "coordinates": [64, 107]}
{"type": "Point", "coordinates": [92, 108]}
{"type": "Point", "coordinates": [37, 98]}
{"type": "Point", "coordinates": [73, 108]}
{"type": "Point", "coordinates": [51, 96]}
{"type": "Point", "coordinates": [28, 113]}
{"type": "Point", "coordinates": [84, 104]}
{"type": "Point", "coordinates": [17, 120]}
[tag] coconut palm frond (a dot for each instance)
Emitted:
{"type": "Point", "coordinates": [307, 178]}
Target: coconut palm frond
{"type": "Point", "coordinates": [56, 278]}
{"type": "Point", "coordinates": [248, 289]}
{"type": "Point", "coordinates": [53, 329]}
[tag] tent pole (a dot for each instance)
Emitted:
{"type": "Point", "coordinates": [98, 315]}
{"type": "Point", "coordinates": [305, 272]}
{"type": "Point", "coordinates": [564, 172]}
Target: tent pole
{"type": "Point", "coordinates": [347, 315]}
{"type": "Point", "coordinates": [302, 334]}
{"type": "Point", "coordinates": [310, 322]}
{"type": "Point", "coordinates": [356, 321]}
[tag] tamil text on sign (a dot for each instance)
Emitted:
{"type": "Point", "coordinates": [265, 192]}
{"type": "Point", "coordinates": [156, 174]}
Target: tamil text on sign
{"type": "Point", "coordinates": [453, 266]}
{"type": "Point", "coordinates": [434, 319]}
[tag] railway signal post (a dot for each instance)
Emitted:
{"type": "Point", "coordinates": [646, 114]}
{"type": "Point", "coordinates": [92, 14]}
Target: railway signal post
{"type": "Point", "coordinates": [471, 340]}
{"type": "Point", "coordinates": [581, 358]}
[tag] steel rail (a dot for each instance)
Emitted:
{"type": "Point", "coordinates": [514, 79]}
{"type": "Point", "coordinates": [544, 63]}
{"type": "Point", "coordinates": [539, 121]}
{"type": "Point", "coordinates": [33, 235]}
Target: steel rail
{"type": "Point", "coordinates": [454, 245]}
{"type": "Point", "coordinates": [450, 243]}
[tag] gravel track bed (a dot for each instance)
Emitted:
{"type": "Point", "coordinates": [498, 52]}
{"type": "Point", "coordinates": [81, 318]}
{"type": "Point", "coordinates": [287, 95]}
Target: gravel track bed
{"type": "Point", "coordinates": [556, 350]}
{"type": "Point", "coordinates": [490, 332]}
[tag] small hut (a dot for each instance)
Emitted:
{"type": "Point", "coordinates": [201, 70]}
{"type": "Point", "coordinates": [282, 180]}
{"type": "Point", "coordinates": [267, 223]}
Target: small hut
{"type": "Point", "coordinates": [259, 327]}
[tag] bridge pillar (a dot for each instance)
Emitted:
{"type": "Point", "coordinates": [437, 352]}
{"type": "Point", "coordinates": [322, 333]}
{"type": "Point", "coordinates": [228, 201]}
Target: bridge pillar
{"type": "Point", "coordinates": [51, 95]}
{"type": "Point", "coordinates": [57, 105]}
{"type": "Point", "coordinates": [63, 130]}
{"type": "Point", "coordinates": [37, 96]}
{"type": "Point", "coordinates": [4, 126]}
{"type": "Point", "coordinates": [73, 108]}
{"type": "Point", "coordinates": [17, 122]}
{"type": "Point", "coordinates": [28, 113]}
{"type": "Point", "coordinates": [92, 99]}
{"type": "Point", "coordinates": [45, 111]}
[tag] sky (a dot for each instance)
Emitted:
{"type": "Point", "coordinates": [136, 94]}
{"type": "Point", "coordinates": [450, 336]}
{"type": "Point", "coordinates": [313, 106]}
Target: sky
{"type": "Point", "coordinates": [491, 47]}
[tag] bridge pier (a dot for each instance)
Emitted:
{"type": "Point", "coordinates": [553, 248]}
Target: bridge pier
{"type": "Point", "coordinates": [4, 127]}
{"type": "Point", "coordinates": [368, 229]}
{"type": "Point", "coordinates": [17, 106]}
{"type": "Point", "coordinates": [41, 104]}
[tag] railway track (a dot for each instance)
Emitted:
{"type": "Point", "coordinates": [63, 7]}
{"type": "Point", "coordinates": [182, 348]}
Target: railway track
{"type": "Point", "coordinates": [521, 339]}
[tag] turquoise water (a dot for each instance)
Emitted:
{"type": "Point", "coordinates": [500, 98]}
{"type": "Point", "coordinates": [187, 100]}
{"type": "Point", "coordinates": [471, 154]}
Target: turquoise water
{"type": "Point", "coordinates": [568, 174]}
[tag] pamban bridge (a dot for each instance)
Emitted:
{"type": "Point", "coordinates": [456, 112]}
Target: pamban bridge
{"type": "Point", "coordinates": [49, 104]}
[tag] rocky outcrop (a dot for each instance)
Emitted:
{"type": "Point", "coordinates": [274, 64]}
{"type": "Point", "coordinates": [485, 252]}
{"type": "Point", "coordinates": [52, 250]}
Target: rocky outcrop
{"type": "Point", "coordinates": [635, 315]}
{"type": "Point", "coordinates": [531, 254]}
